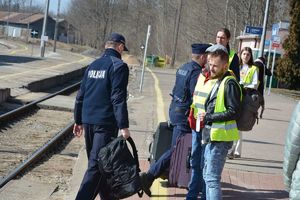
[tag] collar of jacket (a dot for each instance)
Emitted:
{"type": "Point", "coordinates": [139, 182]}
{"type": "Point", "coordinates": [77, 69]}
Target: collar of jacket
{"type": "Point", "coordinates": [197, 64]}
{"type": "Point", "coordinates": [226, 74]}
{"type": "Point", "coordinates": [111, 52]}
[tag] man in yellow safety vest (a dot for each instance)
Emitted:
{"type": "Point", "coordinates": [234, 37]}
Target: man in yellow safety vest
{"type": "Point", "coordinates": [221, 109]}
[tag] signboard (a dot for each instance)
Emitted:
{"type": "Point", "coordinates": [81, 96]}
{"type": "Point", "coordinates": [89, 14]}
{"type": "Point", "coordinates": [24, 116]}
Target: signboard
{"type": "Point", "coordinates": [44, 38]}
{"type": "Point", "coordinates": [276, 39]}
{"type": "Point", "coordinates": [267, 43]}
{"type": "Point", "coordinates": [253, 30]}
{"type": "Point", "coordinates": [34, 33]}
{"type": "Point", "coordinates": [275, 29]}
{"type": "Point", "coordinates": [275, 45]}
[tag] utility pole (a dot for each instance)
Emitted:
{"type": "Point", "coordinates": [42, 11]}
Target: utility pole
{"type": "Point", "coordinates": [263, 36]}
{"type": "Point", "coordinates": [44, 29]}
{"type": "Point", "coordinates": [226, 13]}
{"type": "Point", "coordinates": [28, 24]}
{"type": "Point", "coordinates": [178, 16]}
{"type": "Point", "coordinates": [144, 59]}
{"type": "Point", "coordinates": [56, 26]}
{"type": "Point", "coordinates": [7, 21]}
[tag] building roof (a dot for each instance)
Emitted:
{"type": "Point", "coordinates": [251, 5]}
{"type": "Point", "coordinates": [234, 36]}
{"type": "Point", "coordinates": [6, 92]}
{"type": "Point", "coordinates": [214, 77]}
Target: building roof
{"type": "Point", "coordinates": [20, 18]}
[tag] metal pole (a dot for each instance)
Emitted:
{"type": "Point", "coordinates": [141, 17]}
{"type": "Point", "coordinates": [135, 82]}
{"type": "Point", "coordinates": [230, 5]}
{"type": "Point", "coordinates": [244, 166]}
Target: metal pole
{"type": "Point", "coordinates": [144, 59]}
{"type": "Point", "coordinates": [28, 24]}
{"type": "Point", "coordinates": [268, 63]}
{"type": "Point", "coordinates": [175, 40]}
{"type": "Point", "coordinates": [44, 29]}
{"type": "Point", "coordinates": [29, 11]}
{"type": "Point", "coordinates": [263, 36]}
{"type": "Point", "coordinates": [7, 21]}
{"type": "Point", "coordinates": [273, 64]}
{"type": "Point", "coordinates": [56, 27]}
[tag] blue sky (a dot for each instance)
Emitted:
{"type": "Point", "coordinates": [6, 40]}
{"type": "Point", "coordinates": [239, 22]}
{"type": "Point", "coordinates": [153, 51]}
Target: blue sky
{"type": "Point", "coordinates": [53, 5]}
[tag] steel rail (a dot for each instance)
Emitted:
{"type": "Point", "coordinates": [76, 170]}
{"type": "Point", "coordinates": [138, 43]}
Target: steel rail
{"type": "Point", "coordinates": [12, 114]}
{"type": "Point", "coordinates": [37, 154]}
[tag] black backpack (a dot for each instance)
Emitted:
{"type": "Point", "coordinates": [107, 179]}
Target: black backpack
{"type": "Point", "coordinates": [120, 168]}
{"type": "Point", "coordinates": [249, 112]}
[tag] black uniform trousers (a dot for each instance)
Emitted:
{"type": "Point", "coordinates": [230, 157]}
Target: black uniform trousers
{"type": "Point", "coordinates": [96, 137]}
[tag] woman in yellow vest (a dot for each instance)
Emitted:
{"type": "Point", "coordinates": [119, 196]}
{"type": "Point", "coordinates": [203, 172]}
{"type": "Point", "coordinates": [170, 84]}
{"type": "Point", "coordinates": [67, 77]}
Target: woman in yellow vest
{"type": "Point", "coordinates": [249, 80]}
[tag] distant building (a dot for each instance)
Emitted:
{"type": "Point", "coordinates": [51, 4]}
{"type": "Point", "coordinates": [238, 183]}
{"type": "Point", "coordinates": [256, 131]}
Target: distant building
{"type": "Point", "coordinates": [66, 32]}
{"type": "Point", "coordinates": [280, 30]}
{"type": "Point", "coordinates": [18, 21]}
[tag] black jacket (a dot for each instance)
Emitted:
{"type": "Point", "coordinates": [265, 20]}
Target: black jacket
{"type": "Point", "coordinates": [235, 65]}
{"type": "Point", "coordinates": [263, 70]}
{"type": "Point", "coordinates": [232, 103]}
{"type": "Point", "coordinates": [102, 97]}
{"type": "Point", "coordinates": [182, 93]}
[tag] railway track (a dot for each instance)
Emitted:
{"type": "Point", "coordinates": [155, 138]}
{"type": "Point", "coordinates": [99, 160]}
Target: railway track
{"type": "Point", "coordinates": [34, 140]}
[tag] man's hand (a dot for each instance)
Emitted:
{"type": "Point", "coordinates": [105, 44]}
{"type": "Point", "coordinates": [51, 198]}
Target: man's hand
{"type": "Point", "coordinates": [202, 115]}
{"type": "Point", "coordinates": [125, 133]}
{"type": "Point", "coordinates": [77, 130]}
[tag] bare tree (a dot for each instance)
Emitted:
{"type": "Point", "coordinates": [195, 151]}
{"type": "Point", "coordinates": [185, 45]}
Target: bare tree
{"type": "Point", "coordinates": [199, 21]}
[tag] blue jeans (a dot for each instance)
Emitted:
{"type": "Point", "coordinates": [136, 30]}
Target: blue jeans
{"type": "Point", "coordinates": [163, 163]}
{"type": "Point", "coordinates": [197, 183]}
{"type": "Point", "coordinates": [214, 161]}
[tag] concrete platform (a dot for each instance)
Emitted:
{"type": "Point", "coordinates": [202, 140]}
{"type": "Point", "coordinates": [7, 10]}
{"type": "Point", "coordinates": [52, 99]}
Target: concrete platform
{"type": "Point", "coordinates": [26, 189]}
{"type": "Point", "coordinates": [257, 175]}
{"type": "Point", "coordinates": [4, 94]}
{"type": "Point", "coordinates": [59, 102]}
{"type": "Point", "coordinates": [22, 71]}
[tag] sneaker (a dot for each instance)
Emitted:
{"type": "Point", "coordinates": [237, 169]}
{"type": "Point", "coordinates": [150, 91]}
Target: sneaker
{"type": "Point", "coordinates": [146, 183]}
{"type": "Point", "coordinates": [237, 156]}
{"type": "Point", "coordinates": [230, 156]}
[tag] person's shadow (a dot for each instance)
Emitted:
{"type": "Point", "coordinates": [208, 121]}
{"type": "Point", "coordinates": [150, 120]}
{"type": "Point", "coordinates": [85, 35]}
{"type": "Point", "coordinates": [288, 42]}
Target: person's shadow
{"type": "Point", "coordinates": [8, 59]}
{"type": "Point", "coordinates": [235, 192]}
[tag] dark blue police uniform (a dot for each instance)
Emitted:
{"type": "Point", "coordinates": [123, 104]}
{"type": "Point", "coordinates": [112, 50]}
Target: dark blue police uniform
{"type": "Point", "coordinates": [186, 79]}
{"type": "Point", "coordinates": [102, 109]}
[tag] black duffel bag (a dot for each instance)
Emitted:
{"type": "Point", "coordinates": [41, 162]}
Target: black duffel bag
{"type": "Point", "coordinates": [120, 168]}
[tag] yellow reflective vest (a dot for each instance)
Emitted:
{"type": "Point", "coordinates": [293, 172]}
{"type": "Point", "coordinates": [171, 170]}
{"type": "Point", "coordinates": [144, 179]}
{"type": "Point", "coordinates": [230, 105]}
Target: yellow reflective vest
{"type": "Point", "coordinates": [231, 55]}
{"type": "Point", "coordinates": [249, 76]}
{"type": "Point", "coordinates": [223, 131]}
{"type": "Point", "coordinates": [201, 92]}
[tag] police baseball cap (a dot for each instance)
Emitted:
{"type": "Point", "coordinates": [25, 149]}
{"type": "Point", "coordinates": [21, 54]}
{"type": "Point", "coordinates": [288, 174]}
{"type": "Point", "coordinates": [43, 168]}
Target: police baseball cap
{"type": "Point", "coordinates": [199, 48]}
{"type": "Point", "coordinates": [116, 37]}
{"type": "Point", "coordinates": [216, 47]}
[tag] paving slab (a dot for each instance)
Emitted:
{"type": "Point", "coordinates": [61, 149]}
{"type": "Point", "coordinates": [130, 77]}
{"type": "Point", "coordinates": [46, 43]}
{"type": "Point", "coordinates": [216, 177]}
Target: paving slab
{"type": "Point", "coordinates": [26, 189]}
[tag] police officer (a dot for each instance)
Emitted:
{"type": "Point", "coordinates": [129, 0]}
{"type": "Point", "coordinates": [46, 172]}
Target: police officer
{"type": "Point", "coordinates": [186, 79]}
{"type": "Point", "coordinates": [101, 111]}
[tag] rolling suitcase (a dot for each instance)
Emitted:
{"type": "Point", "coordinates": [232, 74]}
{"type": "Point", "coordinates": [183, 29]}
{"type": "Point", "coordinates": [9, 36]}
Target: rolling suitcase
{"type": "Point", "coordinates": [161, 141]}
{"type": "Point", "coordinates": [180, 173]}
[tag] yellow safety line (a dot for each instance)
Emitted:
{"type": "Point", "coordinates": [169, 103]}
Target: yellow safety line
{"type": "Point", "coordinates": [156, 188]}
{"type": "Point", "coordinates": [25, 48]}
{"type": "Point", "coordinates": [47, 68]}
